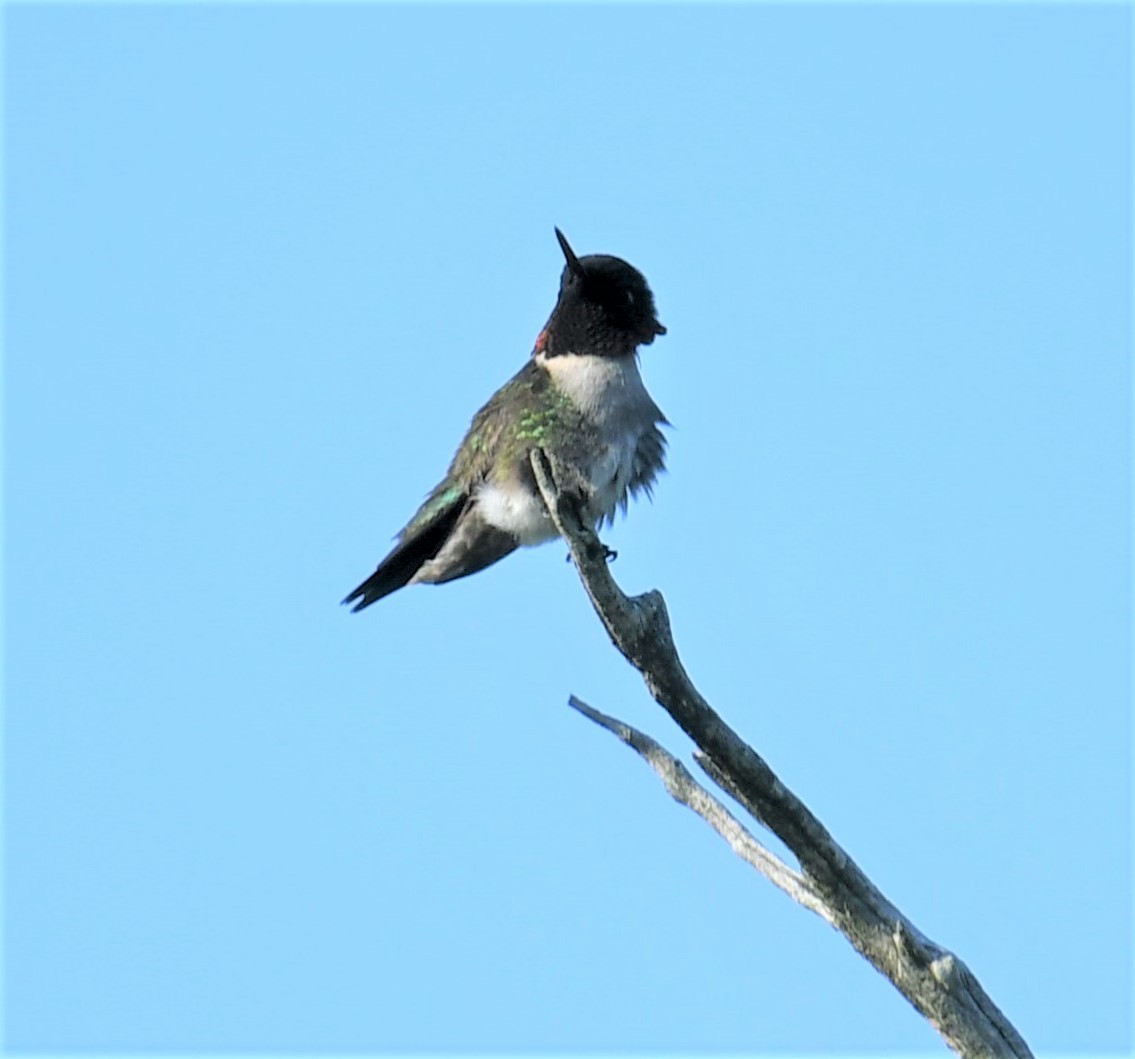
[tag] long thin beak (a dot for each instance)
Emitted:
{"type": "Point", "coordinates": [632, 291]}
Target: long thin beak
{"type": "Point", "coordinates": [569, 253]}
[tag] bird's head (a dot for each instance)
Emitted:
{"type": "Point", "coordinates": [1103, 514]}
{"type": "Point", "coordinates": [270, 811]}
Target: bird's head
{"type": "Point", "coordinates": [605, 308]}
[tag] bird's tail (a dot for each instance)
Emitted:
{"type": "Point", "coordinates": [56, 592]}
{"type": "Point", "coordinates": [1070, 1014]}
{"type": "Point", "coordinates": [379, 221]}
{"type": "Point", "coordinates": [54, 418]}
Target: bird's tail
{"type": "Point", "coordinates": [407, 558]}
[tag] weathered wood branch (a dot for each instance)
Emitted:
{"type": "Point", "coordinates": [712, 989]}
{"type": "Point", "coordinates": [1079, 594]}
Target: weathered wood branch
{"type": "Point", "coordinates": [685, 789]}
{"type": "Point", "coordinates": [933, 979]}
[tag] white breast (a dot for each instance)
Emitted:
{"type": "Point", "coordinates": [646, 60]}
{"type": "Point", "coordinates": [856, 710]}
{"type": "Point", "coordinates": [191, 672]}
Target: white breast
{"type": "Point", "coordinates": [610, 392]}
{"type": "Point", "coordinates": [611, 475]}
{"type": "Point", "coordinates": [604, 388]}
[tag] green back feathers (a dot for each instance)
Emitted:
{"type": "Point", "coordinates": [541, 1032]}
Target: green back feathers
{"type": "Point", "coordinates": [520, 416]}
{"type": "Point", "coordinates": [529, 411]}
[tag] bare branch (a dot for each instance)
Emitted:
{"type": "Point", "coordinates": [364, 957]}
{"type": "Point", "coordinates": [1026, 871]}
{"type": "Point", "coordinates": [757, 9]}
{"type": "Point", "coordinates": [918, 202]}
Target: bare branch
{"type": "Point", "coordinates": [685, 789]}
{"type": "Point", "coordinates": [934, 980]}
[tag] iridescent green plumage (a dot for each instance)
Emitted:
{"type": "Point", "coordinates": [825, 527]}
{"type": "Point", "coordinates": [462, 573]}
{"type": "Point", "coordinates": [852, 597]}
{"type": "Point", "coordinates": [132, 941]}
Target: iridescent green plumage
{"type": "Point", "coordinates": [527, 412]}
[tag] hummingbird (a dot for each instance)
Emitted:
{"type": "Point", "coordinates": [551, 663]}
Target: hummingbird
{"type": "Point", "coordinates": [580, 398]}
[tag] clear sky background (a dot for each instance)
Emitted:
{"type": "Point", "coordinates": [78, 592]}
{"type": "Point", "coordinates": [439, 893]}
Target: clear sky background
{"type": "Point", "coordinates": [263, 263]}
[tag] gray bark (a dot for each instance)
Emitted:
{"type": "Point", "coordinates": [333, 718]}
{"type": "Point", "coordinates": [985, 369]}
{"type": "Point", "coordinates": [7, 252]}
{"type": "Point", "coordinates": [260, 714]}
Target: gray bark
{"type": "Point", "coordinates": [935, 981]}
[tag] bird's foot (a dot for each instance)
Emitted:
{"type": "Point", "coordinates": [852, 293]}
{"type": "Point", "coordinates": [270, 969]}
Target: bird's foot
{"type": "Point", "coordinates": [598, 550]}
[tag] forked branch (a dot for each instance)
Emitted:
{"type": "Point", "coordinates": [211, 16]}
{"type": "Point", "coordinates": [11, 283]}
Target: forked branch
{"type": "Point", "coordinates": [829, 882]}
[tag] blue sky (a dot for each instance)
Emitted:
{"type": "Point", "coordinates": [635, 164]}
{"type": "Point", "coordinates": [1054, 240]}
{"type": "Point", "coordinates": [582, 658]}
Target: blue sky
{"type": "Point", "coordinates": [262, 263]}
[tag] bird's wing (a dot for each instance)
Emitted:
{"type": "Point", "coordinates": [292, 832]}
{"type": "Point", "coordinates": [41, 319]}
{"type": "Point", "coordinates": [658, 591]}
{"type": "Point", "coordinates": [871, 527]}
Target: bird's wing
{"type": "Point", "coordinates": [421, 540]}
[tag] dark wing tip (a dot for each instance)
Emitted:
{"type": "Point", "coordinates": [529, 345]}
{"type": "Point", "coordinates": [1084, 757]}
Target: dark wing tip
{"type": "Point", "coordinates": [413, 549]}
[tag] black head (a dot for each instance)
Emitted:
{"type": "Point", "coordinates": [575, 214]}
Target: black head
{"type": "Point", "coordinates": [605, 307]}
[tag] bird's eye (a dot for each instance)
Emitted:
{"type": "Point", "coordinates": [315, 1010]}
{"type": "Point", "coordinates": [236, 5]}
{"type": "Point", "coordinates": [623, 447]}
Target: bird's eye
{"type": "Point", "coordinates": [630, 297]}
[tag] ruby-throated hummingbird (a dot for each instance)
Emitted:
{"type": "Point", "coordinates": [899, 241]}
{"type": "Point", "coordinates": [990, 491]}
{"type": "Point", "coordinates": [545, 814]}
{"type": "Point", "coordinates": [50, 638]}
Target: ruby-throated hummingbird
{"type": "Point", "coordinates": [580, 398]}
